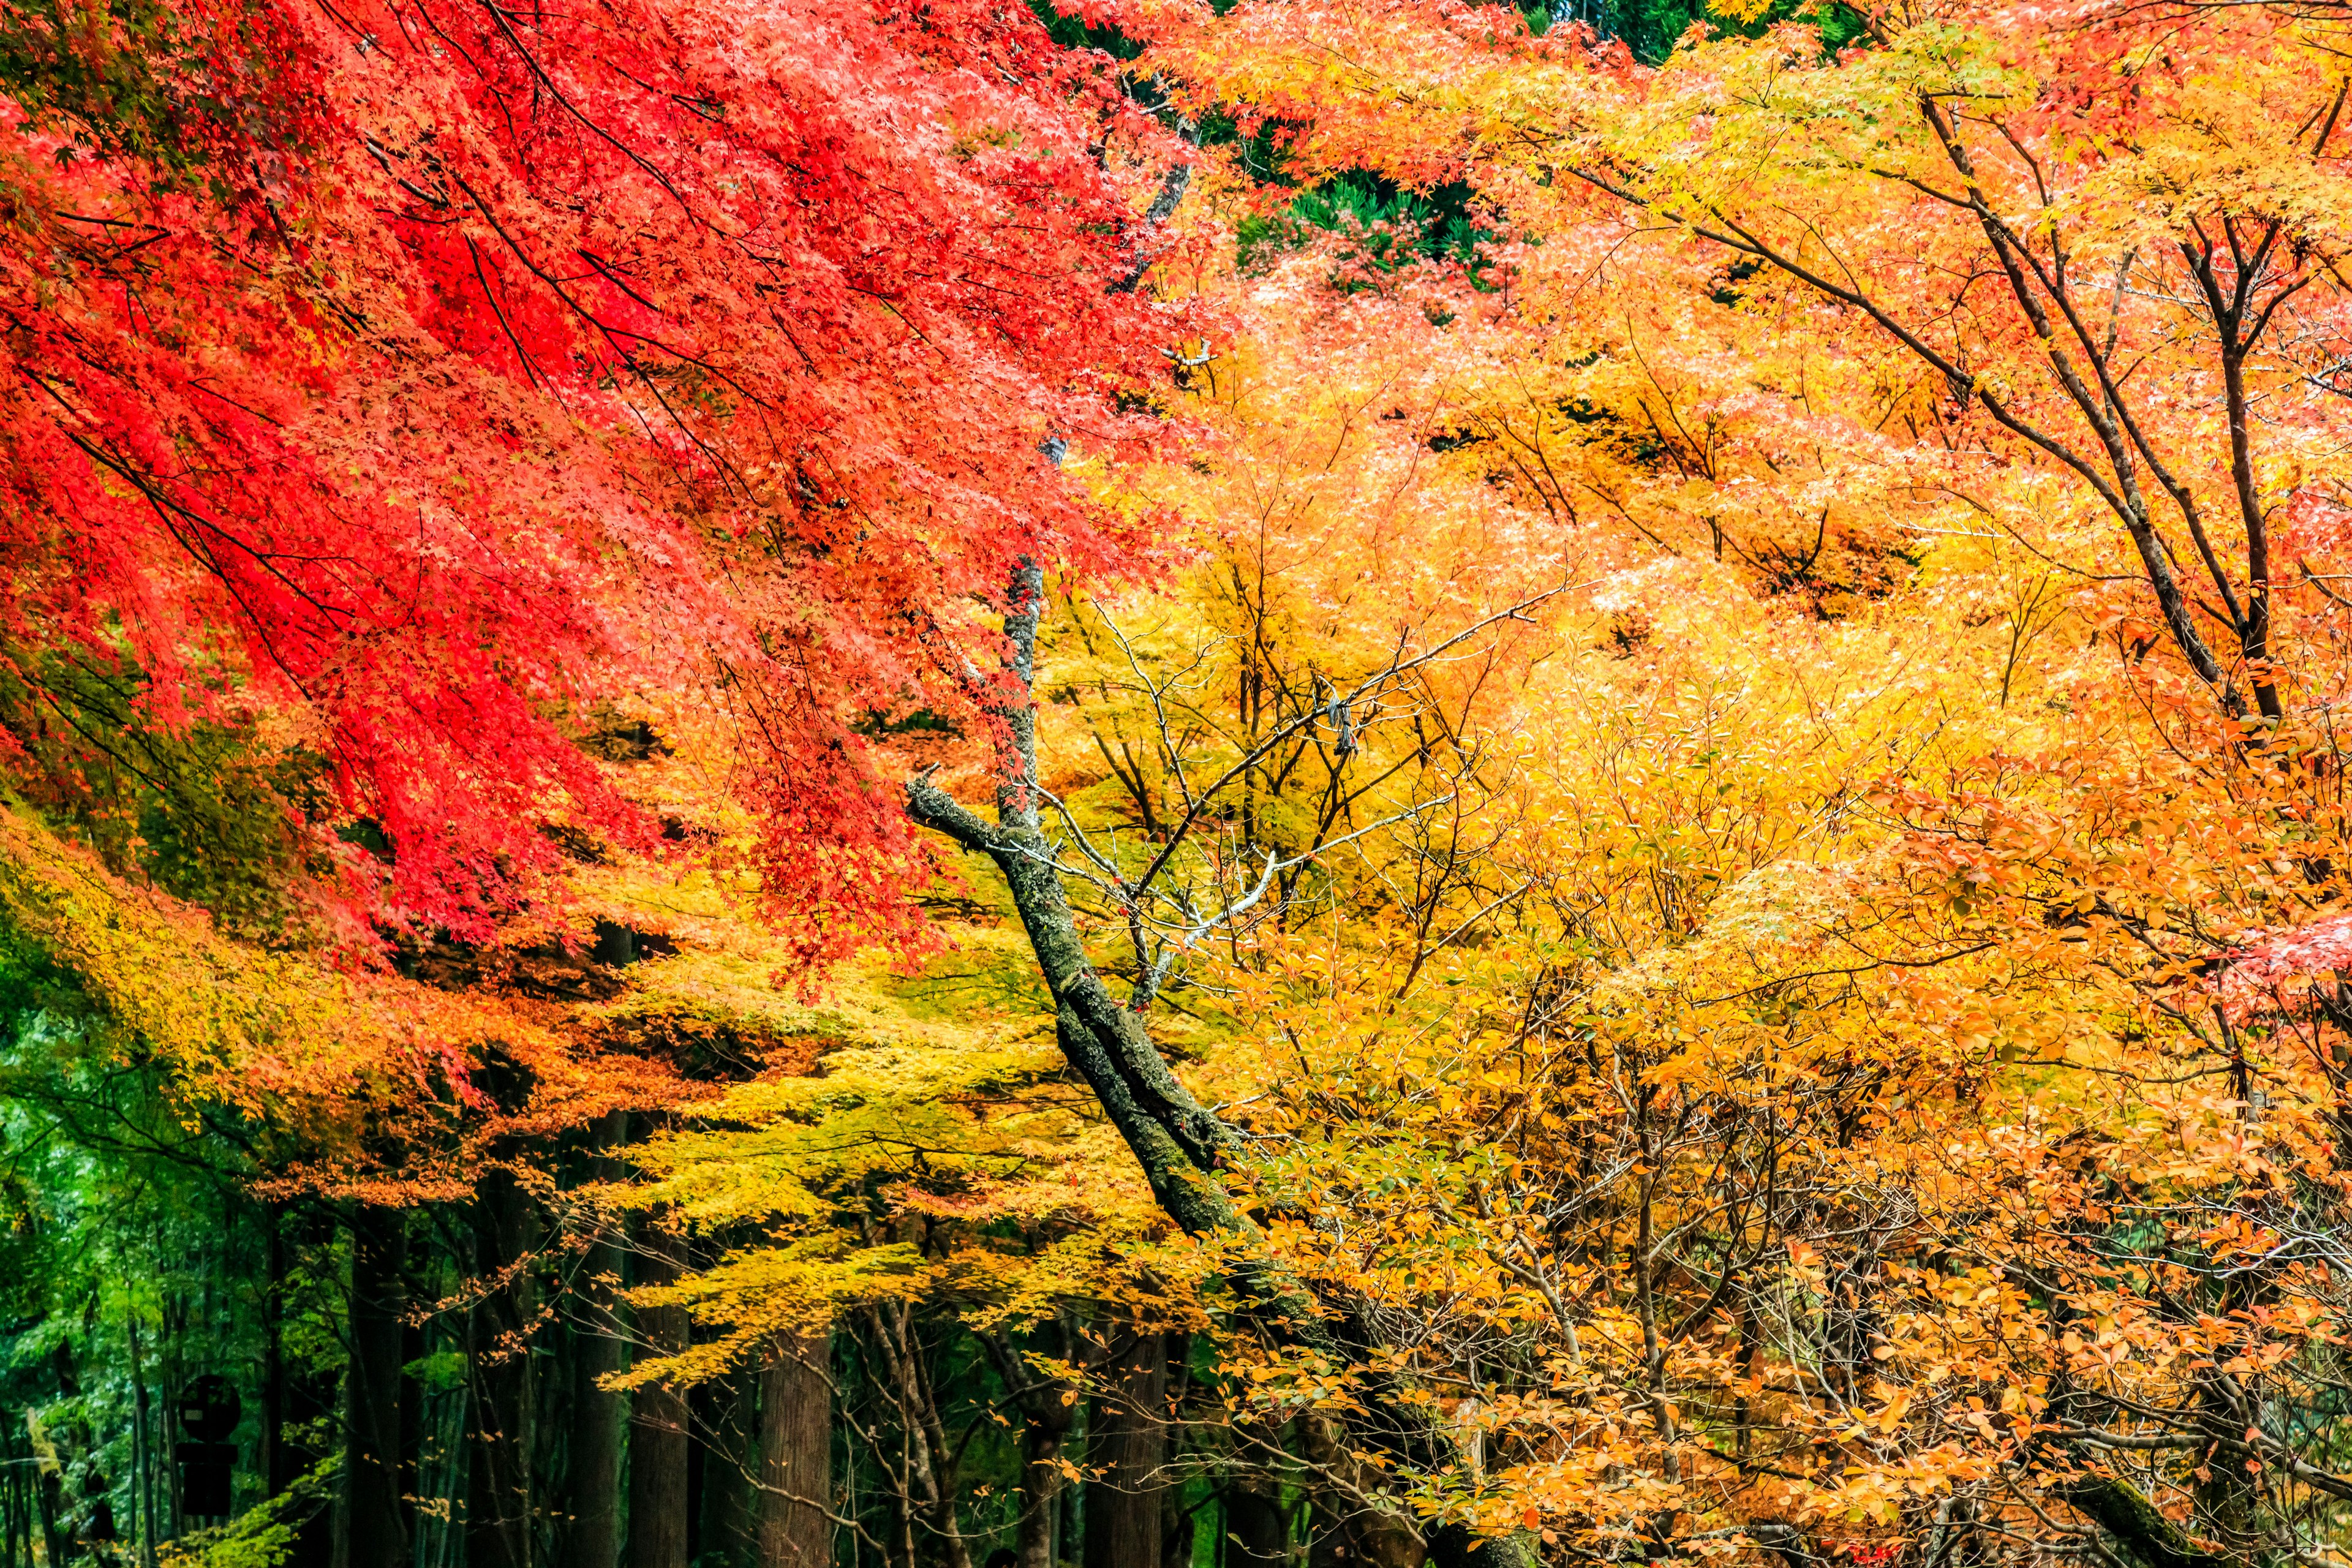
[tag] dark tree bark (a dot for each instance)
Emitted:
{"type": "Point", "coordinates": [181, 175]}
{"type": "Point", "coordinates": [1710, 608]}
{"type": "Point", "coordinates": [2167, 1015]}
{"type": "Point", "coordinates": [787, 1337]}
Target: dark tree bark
{"type": "Point", "coordinates": [1327, 1538]}
{"type": "Point", "coordinates": [499, 1491]}
{"type": "Point", "coordinates": [1346, 1530]}
{"type": "Point", "coordinates": [412, 1401]}
{"type": "Point", "coordinates": [291, 1401]}
{"type": "Point", "coordinates": [592, 1532]}
{"type": "Point", "coordinates": [1180, 1522]}
{"type": "Point", "coordinates": [796, 1454]}
{"type": "Point", "coordinates": [1047, 1413]}
{"type": "Point", "coordinates": [276, 1470]}
{"type": "Point", "coordinates": [56, 1542]}
{"type": "Point", "coordinates": [658, 1439]}
{"type": "Point", "coordinates": [931, 1488]}
{"type": "Point", "coordinates": [1257, 1532]}
{"type": "Point", "coordinates": [1128, 1439]}
{"type": "Point", "coordinates": [724, 1470]}
{"type": "Point", "coordinates": [378, 1522]}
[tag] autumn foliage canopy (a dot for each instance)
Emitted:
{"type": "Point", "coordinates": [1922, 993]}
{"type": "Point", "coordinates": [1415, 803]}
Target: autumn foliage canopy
{"type": "Point", "coordinates": [416, 378]}
{"type": "Point", "coordinates": [1541, 787]}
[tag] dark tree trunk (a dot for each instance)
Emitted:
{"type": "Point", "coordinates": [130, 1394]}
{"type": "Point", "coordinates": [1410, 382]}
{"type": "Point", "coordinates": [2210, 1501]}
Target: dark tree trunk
{"type": "Point", "coordinates": [1257, 1532]}
{"type": "Point", "coordinates": [291, 1401]}
{"type": "Point", "coordinates": [377, 1523]}
{"type": "Point", "coordinates": [56, 1542]}
{"type": "Point", "coordinates": [275, 1470]}
{"type": "Point", "coordinates": [499, 1491]}
{"type": "Point", "coordinates": [1128, 1442]}
{"type": "Point", "coordinates": [1178, 1522]}
{"type": "Point", "coordinates": [796, 1454]}
{"type": "Point", "coordinates": [701, 1409]}
{"type": "Point", "coordinates": [1041, 1490]}
{"type": "Point", "coordinates": [591, 1536]}
{"type": "Point", "coordinates": [1048, 1410]}
{"type": "Point", "coordinates": [725, 1442]}
{"type": "Point", "coordinates": [658, 1440]}
{"type": "Point", "coordinates": [1327, 1538]}
{"type": "Point", "coordinates": [1347, 1531]}
{"type": "Point", "coordinates": [411, 1404]}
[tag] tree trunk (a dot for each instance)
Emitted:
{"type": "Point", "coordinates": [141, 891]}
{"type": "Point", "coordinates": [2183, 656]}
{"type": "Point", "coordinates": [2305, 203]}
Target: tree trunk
{"type": "Point", "coordinates": [657, 1417]}
{"type": "Point", "coordinates": [1257, 1532]}
{"type": "Point", "coordinates": [726, 1439]}
{"type": "Point", "coordinates": [796, 1454]}
{"type": "Point", "coordinates": [1348, 1530]}
{"type": "Point", "coordinates": [410, 1473]}
{"type": "Point", "coordinates": [701, 1407]}
{"type": "Point", "coordinates": [378, 1526]}
{"type": "Point", "coordinates": [1041, 1490]}
{"type": "Point", "coordinates": [928, 1455]}
{"type": "Point", "coordinates": [1048, 1409]}
{"type": "Point", "coordinates": [1105, 1038]}
{"type": "Point", "coordinates": [591, 1535]}
{"type": "Point", "coordinates": [1128, 1444]}
{"type": "Point", "coordinates": [498, 1492]}
{"type": "Point", "coordinates": [56, 1541]}
{"type": "Point", "coordinates": [1179, 1523]}
{"type": "Point", "coordinates": [291, 1401]}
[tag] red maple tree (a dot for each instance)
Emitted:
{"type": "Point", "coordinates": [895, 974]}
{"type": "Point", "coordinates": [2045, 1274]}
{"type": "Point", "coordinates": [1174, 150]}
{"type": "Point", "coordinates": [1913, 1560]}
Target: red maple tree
{"type": "Point", "coordinates": [423, 372]}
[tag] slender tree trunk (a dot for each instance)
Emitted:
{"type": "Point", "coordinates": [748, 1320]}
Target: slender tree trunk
{"type": "Point", "coordinates": [1048, 1411]}
{"type": "Point", "coordinates": [57, 1545]}
{"type": "Point", "coordinates": [657, 1418]}
{"type": "Point", "coordinates": [928, 1456]}
{"type": "Point", "coordinates": [11, 1477]}
{"type": "Point", "coordinates": [1348, 1530]}
{"type": "Point", "coordinates": [701, 1410]}
{"type": "Point", "coordinates": [372, 1455]}
{"type": "Point", "coordinates": [498, 1492]}
{"type": "Point", "coordinates": [796, 1454]}
{"type": "Point", "coordinates": [142, 1469]}
{"type": "Point", "coordinates": [726, 1445]}
{"type": "Point", "coordinates": [1179, 1525]}
{"type": "Point", "coordinates": [275, 1470]}
{"type": "Point", "coordinates": [410, 1473]}
{"type": "Point", "coordinates": [16, 1520]}
{"type": "Point", "coordinates": [1041, 1490]}
{"type": "Point", "coordinates": [292, 1403]}
{"type": "Point", "coordinates": [1128, 1439]}
{"type": "Point", "coordinates": [1257, 1532]}
{"type": "Point", "coordinates": [591, 1536]}
{"type": "Point", "coordinates": [1070, 1507]}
